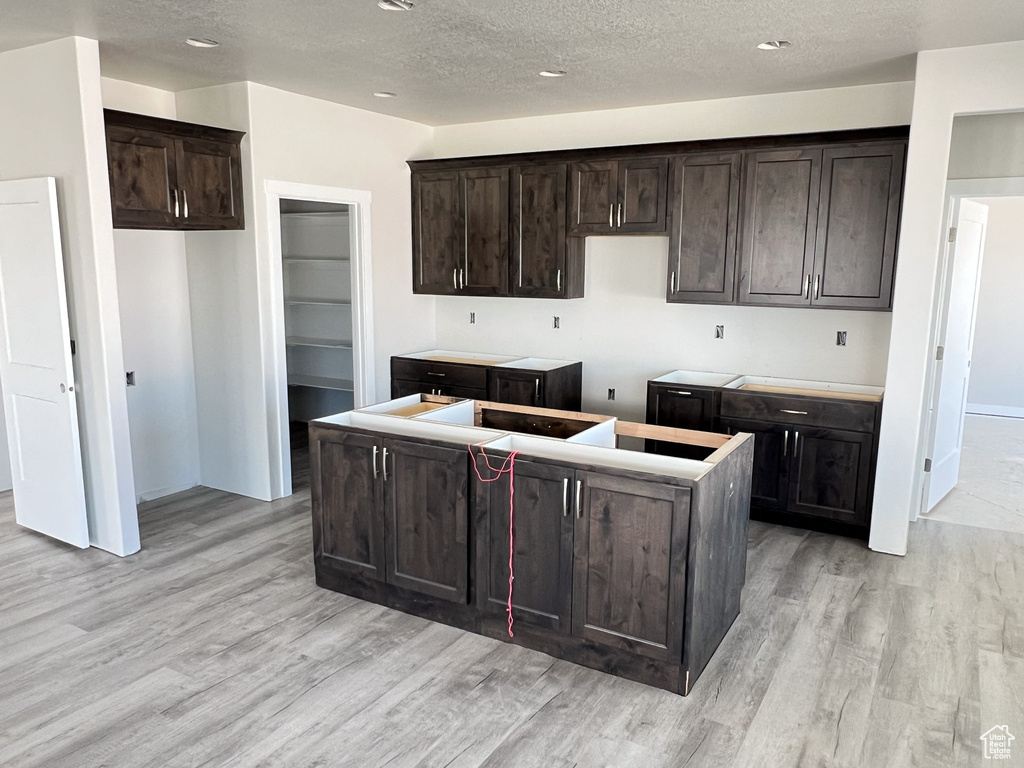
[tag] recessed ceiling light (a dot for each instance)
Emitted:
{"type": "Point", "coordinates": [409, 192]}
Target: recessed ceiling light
{"type": "Point", "coordinates": [774, 45]}
{"type": "Point", "coordinates": [384, 94]}
{"type": "Point", "coordinates": [201, 42]}
{"type": "Point", "coordinates": [553, 73]}
{"type": "Point", "coordinates": [395, 5]}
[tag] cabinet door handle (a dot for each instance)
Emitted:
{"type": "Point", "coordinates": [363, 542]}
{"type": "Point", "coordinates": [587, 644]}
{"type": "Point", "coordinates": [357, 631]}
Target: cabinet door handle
{"type": "Point", "coordinates": [807, 284]}
{"type": "Point", "coordinates": [536, 390]}
{"type": "Point", "coordinates": [184, 198]}
{"type": "Point", "coordinates": [620, 215]}
{"type": "Point", "coordinates": [462, 279]}
{"type": "Point", "coordinates": [558, 280]}
{"type": "Point", "coordinates": [817, 284]}
{"type": "Point", "coordinates": [796, 443]}
{"type": "Point", "coordinates": [565, 497]}
{"type": "Point", "coordinates": [579, 499]}
{"type": "Point", "coordinates": [679, 392]}
{"type": "Point", "coordinates": [375, 462]}
{"type": "Point", "coordinates": [177, 209]}
{"type": "Point", "coordinates": [795, 413]}
{"type": "Point", "coordinates": [611, 214]}
{"type": "Point", "coordinates": [785, 443]}
{"type": "Point", "coordinates": [455, 278]}
{"type": "Point", "coordinates": [385, 464]}
{"type": "Point", "coordinates": [673, 283]}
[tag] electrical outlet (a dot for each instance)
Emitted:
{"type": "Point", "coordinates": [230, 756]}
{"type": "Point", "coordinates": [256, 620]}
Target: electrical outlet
{"type": "Point", "coordinates": [719, 331]}
{"type": "Point", "coordinates": [611, 393]}
{"type": "Point", "coordinates": [558, 322]}
{"type": "Point", "coordinates": [472, 318]}
{"type": "Point", "coordinates": [129, 378]}
{"type": "Point", "coordinates": [840, 338]}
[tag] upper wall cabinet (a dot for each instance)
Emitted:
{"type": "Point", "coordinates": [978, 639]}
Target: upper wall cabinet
{"type": "Point", "coordinates": [545, 265]}
{"type": "Point", "coordinates": [460, 232]}
{"type": "Point", "coordinates": [618, 196]}
{"type": "Point", "coordinates": [165, 174]}
{"type": "Point", "coordinates": [703, 222]}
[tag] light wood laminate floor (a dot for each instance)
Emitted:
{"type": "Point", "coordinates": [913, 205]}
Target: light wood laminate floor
{"type": "Point", "coordinates": [213, 647]}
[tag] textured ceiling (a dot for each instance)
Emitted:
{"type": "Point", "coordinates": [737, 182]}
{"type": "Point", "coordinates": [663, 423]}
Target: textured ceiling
{"type": "Point", "coordinates": [454, 61]}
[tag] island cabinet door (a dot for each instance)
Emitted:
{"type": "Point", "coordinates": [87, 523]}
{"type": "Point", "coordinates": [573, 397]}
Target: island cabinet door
{"type": "Point", "coordinates": [426, 514]}
{"type": "Point", "coordinates": [348, 524]}
{"type": "Point", "coordinates": [629, 584]}
{"type": "Point", "coordinates": [542, 528]}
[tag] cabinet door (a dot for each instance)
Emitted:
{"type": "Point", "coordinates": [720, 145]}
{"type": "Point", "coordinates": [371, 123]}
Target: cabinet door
{"type": "Point", "coordinates": [348, 515]}
{"type": "Point", "coordinates": [831, 474]}
{"type": "Point", "coordinates": [779, 223]}
{"type": "Point", "coordinates": [538, 231]}
{"type": "Point", "coordinates": [769, 480]}
{"type": "Point", "coordinates": [484, 217]}
{"type": "Point", "coordinates": [704, 217]}
{"type": "Point", "coordinates": [143, 177]}
{"type": "Point", "coordinates": [516, 387]}
{"type": "Point", "coordinates": [542, 555]}
{"type": "Point", "coordinates": [210, 182]}
{"type": "Point", "coordinates": [855, 252]}
{"type": "Point", "coordinates": [681, 408]}
{"type": "Point", "coordinates": [436, 235]}
{"type": "Point", "coordinates": [427, 518]}
{"type": "Point", "coordinates": [643, 195]}
{"type": "Point", "coordinates": [594, 196]}
{"type": "Point", "coordinates": [629, 581]}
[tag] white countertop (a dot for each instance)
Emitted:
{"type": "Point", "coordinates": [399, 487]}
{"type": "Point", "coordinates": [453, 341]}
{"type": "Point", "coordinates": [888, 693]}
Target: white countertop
{"type": "Point", "coordinates": [696, 378]}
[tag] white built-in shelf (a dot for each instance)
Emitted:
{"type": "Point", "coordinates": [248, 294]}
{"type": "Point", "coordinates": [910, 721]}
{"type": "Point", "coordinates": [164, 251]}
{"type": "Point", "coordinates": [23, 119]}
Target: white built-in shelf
{"type": "Point", "coordinates": [320, 382]}
{"type": "Point", "coordinates": [317, 259]}
{"type": "Point", "coordinates": [319, 302]}
{"type": "Point", "coordinates": [305, 341]}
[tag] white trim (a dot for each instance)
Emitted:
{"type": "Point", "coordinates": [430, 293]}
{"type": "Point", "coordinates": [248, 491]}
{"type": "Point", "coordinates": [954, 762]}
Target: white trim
{"type": "Point", "coordinates": [979, 409]}
{"type": "Point", "coordinates": [1011, 186]}
{"type": "Point", "coordinates": [273, 309]}
{"type": "Point", "coordinates": [159, 493]}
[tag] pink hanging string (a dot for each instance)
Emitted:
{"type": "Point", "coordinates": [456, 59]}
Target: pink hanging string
{"type": "Point", "coordinates": [508, 467]}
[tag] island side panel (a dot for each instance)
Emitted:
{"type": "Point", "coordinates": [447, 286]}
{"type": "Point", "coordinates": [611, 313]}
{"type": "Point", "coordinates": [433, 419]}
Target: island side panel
{"type": "Point", "coordinates": [717, 563]}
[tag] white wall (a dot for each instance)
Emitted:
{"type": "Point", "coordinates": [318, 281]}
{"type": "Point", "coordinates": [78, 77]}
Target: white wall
{"type": "Point", "coordinates": [997, 367]}
{"type": "Point", "coordinates": [624, 330]}
{"type": "Point", "coordinates": [156, 330]}
{"type": "Point", "coordinates": [987, 146]}
{"type": "Point", "coordinates": [51, 124]}
{"type": "Point", "coordinates": [948, 82]}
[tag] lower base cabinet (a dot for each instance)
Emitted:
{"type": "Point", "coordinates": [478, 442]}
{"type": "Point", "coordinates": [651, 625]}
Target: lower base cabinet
{"type": "Point", "coordinates": [631, 573]}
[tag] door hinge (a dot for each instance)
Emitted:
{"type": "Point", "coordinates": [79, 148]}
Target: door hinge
{"type": "Point", "coordinates": [927, 465]}
{"type": "Point", "coordinates": [72, 346]}
{"type": "Point", "coordinates": [939, 352]}
{"type": "Point", "coordinates": [952, 234]}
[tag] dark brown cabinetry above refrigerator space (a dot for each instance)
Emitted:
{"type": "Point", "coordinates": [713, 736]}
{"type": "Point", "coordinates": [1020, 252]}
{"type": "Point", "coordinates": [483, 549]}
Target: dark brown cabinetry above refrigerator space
{"type": "Point", "coordinates": [165, 174]}
{"type": "Point", "coordinates": [807, 220]}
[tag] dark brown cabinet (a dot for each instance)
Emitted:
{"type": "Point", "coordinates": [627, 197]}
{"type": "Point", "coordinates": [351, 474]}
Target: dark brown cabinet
{"type": "Point", "coordinates": [780, 220]}
{"type": "Point", "coordinates": [543, 539]}
{"type": "Point", "coordinates": [460, 232]}
{"type": "Point", "coordinates": [427, 518]}
{"type": "Point", "coordinates": [769, 480]}
{"type": "Point", "coordinates": [703, 226]}
{"type": "Point", "coordinates": [830, 475]}
{"type": "Point", "coordinates": [544, 263]}
{"type": "Point", "coordinates": [170, 175]}
{"type": "Point", "coordinates": [858, 218]}
{"type": "Point", "coordinates": [681, 407]}
{"type": "Point", "coordinates": [618, 196]}
{"type": "Point", "coordinates": [395, 511]}
{"type": "Point", "coordinates": [629, 581]}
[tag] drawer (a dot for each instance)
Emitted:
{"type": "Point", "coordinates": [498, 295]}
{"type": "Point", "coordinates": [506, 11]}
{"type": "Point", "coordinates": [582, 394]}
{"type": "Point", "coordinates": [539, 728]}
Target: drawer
{"type": "Point", "coordinates": [440, 374]}
{"type": "Point", "coordinates": [807, 411]}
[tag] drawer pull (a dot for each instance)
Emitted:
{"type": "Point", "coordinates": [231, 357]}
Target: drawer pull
{"type": "Point", "coordinates": [679, 392]}
{"type": "Point", "coordinates": [795, 413]}
{"type": "Point", "coordinates": [434, 373]}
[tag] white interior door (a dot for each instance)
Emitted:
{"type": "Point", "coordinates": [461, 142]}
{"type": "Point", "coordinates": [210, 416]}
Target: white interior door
{"type": "Point", "coordinates": [35, 365]}
{"type": "Point", "coordinates": [956, 336]}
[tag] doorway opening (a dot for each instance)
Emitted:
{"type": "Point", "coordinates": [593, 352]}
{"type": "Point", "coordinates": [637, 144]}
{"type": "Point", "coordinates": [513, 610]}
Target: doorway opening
{"type": "Point", "coordinates": [323, 342]}
{"type": "Point", "coordinates": [976, 435]}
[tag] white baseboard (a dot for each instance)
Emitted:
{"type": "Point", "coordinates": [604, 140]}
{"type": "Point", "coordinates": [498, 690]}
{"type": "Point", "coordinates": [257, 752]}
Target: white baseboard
{"type": "Point", "coordinates": [159, 493]}
{"type": "Point", "coordinates": [980, 409]}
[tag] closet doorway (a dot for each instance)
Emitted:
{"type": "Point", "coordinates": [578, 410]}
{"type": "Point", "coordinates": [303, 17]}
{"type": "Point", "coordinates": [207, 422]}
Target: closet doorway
{"type": "Point", "coordinates": [322, 316]}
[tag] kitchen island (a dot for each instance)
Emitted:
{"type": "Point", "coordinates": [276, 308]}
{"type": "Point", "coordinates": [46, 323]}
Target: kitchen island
{"type": "Point", "coordinates": [623, 561]}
